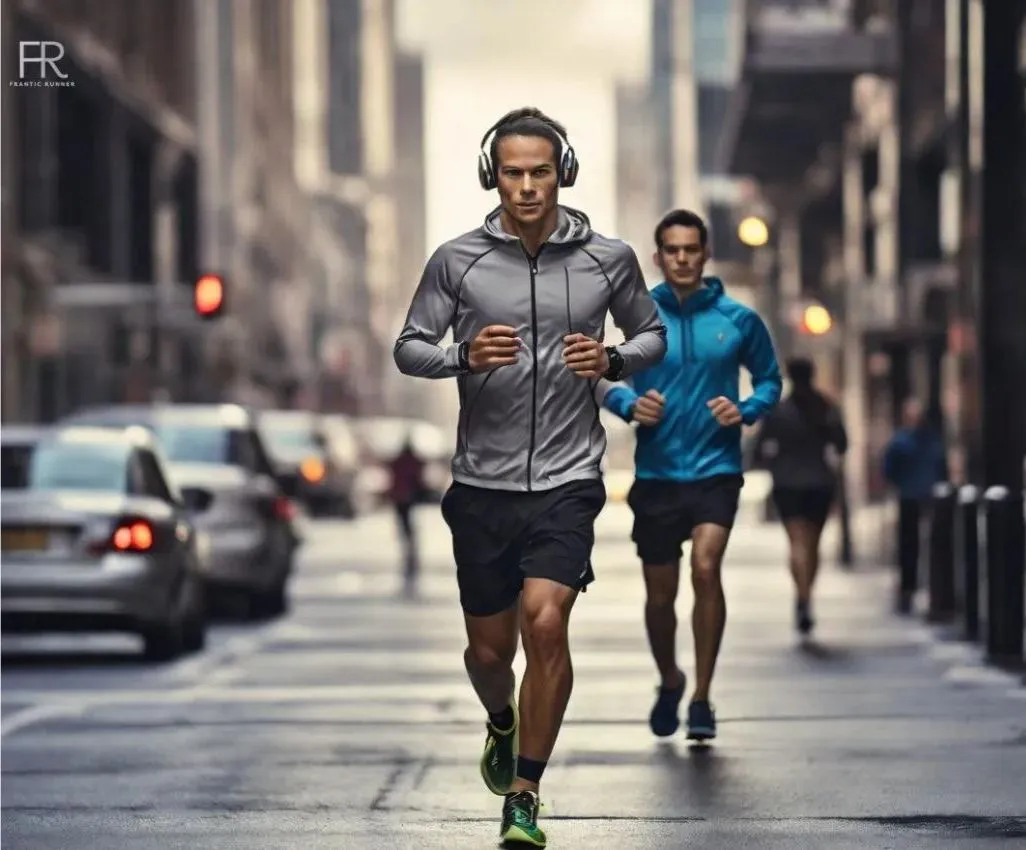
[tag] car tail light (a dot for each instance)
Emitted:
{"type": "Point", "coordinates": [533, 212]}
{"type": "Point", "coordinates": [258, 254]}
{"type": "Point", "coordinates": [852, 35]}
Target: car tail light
{"type": "Point", "coordinates": [284, 509]}
{"type": "Point", "coordinates": [132, 536]}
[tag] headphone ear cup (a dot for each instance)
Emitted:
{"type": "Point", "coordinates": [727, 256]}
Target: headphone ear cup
{"type": "Point", "coordinates": [484, 172]}
{"type": "Point", "coordinates": [569, 168]}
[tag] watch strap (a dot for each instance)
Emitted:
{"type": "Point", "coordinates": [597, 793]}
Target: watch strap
{"type": "Point", "coordinates": [615, 369]}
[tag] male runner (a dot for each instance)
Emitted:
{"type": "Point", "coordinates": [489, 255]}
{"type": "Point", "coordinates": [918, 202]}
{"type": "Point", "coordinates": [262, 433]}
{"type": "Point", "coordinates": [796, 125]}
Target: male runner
{"type": "Point", "coordinates": [526, 295]}
{"type": "Point", "coordinates": [688, 456]}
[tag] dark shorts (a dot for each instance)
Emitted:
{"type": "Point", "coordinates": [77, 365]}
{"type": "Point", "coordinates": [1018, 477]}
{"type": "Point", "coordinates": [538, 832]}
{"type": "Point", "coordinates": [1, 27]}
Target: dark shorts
{"type": "Point", "coordinates": [499, 538]}
{"type": "Point", "coordinates": [809, 504]}
{"type": "Point", "coordinates": [666, 512]}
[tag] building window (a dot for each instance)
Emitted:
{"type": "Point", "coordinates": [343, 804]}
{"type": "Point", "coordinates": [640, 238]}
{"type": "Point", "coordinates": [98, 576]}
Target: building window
{"type": "Point", "coordinates": [345, 142]}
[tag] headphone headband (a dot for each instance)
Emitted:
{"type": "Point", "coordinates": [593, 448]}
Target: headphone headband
{"type": "Point", "coordinates": [568, 165]}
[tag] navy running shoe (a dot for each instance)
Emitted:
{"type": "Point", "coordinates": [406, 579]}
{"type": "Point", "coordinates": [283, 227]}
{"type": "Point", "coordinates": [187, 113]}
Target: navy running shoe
{"type": "Point", "coordinates": [664, 719]}
{"type": "Point", "coordinates": [701, 721]}
{"type": "Point", "coordinates": [803, 618]}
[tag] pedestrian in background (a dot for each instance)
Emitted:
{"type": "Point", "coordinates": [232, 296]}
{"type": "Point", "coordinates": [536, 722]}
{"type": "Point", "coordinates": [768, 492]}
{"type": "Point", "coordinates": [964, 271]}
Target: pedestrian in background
{"type": "Point", "coordinates": [688, 466]}
{"type": "Point", "coordinates": [914, 461]}
{"type": "Point", "coordinates": [406, 490]}
{"type": "Point", "coordinates": [526, 296]}
{"type": "Point", "coordinates": [799, 443]}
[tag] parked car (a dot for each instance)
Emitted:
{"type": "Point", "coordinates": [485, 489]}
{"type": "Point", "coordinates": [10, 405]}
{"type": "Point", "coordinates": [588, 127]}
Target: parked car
{"type": "Point", "coordinates": [99, 538]}
{"type": "Point", "coordinates": [307, 462]}
{"type": "Point", "coordinates": [217, 457]}
{"type": "Point", "coordinates": [384, 437]}
{"type": "Point", "coordinates": [17, 444]}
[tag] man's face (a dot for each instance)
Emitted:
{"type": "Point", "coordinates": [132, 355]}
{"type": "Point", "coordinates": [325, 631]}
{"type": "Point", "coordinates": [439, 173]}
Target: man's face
{"type": "Point", "coordinates": [682, 257]}
{"type": "Point", "coordinates": [912, 413]}
{"type": "Point", "coordinates": [527, 181]}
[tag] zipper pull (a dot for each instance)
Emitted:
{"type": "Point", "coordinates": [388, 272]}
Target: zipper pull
{"type": "Point", "coordinates": [534, 268]}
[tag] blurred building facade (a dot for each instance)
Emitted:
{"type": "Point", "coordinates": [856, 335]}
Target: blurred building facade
{"type": "Point", "coordinates": [255, 221]}
{"type": "Point", "coordinates": [696, 48]}
{"type": "Point", "coordinates": [889, 137]}
{"type": "Point", "coordinates": [100, 184]}
{"type": "Point", "coordinates": [361, 152]}
{"type": "Point", "coordinates": [264, 141]}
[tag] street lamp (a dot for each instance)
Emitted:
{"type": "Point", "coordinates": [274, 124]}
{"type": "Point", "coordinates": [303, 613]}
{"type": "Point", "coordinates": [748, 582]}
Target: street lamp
{"type": "Point", "coordinates": [753, 232]}
{"type": "Point", "coordinates": [816, 320]}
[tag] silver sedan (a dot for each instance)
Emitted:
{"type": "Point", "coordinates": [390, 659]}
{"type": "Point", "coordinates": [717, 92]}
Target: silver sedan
{"type": "Point", "coordinates": [99, 539]}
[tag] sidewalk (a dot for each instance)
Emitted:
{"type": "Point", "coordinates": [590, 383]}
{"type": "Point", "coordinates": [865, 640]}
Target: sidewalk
{"type": "Point", "coordinates": [873, 736]}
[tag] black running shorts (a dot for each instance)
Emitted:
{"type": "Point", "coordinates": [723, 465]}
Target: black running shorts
{"type": "Point", "coordinates": [666, 512]}
{"type": "Point", "coordinates": [500, 537]}
{"type": "Point", "coordinates": [808, 504]}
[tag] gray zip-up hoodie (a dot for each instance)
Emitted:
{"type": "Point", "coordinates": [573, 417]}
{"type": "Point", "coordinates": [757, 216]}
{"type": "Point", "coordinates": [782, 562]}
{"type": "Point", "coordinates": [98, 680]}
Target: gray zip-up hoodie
{"type": "Point", "coordinates": [533, 425]}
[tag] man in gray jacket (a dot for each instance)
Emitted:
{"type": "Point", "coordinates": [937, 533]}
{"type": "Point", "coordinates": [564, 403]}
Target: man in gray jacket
{"type": "Point", "coordinates": [526, 296]}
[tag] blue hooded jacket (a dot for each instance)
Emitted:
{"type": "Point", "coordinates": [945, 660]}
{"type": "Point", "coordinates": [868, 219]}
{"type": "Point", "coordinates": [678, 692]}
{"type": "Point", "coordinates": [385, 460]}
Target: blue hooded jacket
{"type": "Point", "coordinates": [710, 336]}
{"type": "Point", "coordinates": [915, 460]}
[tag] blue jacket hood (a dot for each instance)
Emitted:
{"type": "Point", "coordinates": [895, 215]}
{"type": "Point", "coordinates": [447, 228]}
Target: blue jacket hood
{"type": "Point", "coordinates": [711, 292]}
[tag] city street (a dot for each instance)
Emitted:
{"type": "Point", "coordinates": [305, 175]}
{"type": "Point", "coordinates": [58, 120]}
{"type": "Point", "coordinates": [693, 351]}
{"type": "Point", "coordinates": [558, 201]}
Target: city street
{"type": "Point", "coordinates": [349, 723]}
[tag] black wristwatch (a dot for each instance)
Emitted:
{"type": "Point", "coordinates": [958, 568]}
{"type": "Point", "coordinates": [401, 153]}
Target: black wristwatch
{"type": "Point", "coordinates": [615, 369]}
{"type": "Point", "coordinates": [463, 357]}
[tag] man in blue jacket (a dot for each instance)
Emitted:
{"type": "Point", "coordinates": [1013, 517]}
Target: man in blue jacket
{"type": "Point", "coordinates": [914, 461]}
{"type": "Point", "coordinates": [688, 456]}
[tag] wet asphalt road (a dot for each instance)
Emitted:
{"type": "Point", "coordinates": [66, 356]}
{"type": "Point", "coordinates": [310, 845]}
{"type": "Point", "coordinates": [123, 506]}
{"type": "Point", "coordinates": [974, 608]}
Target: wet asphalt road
{"type": "Point", "coordinates": [349, 724]}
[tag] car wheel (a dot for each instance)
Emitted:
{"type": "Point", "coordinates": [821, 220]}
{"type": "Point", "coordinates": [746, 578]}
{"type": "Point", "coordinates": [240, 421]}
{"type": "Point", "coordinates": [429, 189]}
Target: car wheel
{"type": "Point", "coordinates": [164, 643]}
{"type": "Point", "coordinates": [185, 629]}
{"type": "Point", "coordinates": [272, 602]}
{"type": "Point", "coordinates": [194, 623]}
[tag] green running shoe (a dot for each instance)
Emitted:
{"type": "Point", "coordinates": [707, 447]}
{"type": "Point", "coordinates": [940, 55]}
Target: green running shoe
{"type": "Point", "coordinates": [520, 821]}
{"type": "Point", "coordinates": [499, 761]}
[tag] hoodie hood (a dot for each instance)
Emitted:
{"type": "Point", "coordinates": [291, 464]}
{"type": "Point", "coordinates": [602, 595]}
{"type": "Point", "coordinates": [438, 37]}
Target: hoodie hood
{"type": "Point", "coordinates": [572, 227]}
{"type": "Point", "coordinates": [709, 294]}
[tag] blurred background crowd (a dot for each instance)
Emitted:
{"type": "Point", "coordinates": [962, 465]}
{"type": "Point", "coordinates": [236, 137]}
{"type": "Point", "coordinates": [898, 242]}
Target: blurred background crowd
{"type": "Point", "coordinates": [860, 162]}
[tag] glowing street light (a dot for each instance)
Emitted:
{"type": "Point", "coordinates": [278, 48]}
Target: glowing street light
{"type": "Point", "coordinates": [816, 320]}
{"type": "Point", "coordinates": [753, 232]}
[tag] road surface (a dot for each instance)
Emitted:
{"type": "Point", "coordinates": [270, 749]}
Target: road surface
{"type": "Point", "coordinates": [349, 723]}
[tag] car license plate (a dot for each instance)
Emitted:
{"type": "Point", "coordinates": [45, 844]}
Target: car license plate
{"type": "Point", "coordinates": [24, 540]}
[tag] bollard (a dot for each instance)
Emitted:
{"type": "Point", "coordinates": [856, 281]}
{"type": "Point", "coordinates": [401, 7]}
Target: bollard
{"type": "Point", "coordinates": [1006, 575]}
{"type": "Point", "coordinates": [941, 573]}
{"type": "Point", "coordinates": [967, 554]}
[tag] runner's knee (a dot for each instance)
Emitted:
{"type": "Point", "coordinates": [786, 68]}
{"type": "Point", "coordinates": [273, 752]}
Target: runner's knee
{"type": "Point", "coordinates": [488, 659]}
{"type": "Point", "coordinates": [705, 573]}
{"type": "Point", "coordinates": [545, 628]}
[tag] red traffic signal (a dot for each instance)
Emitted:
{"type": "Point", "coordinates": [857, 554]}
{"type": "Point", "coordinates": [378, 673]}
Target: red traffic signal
{"type": "Point", "coordinates": [208, 296]}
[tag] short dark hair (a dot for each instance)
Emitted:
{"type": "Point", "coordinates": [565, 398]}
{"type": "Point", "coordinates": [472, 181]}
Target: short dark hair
{"type": "Point", "coordinates": [681, 218]}
{"type": "Point", "coordinates": [801, 371]}
{"type": "Point", "coordinates": [528, 121]}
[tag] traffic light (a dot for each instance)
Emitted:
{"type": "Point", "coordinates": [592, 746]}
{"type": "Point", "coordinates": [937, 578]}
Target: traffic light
{"type": "Point", "coordinates": [209, 295]}
{"type": "Point", "coordinates": [816, 320]}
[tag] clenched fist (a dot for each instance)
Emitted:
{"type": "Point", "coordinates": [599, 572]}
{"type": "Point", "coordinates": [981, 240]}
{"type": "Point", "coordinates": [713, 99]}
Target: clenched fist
{"type": "Point", "coordinates": [648, 409]}
{"type": "Point", "coordinates": [725, 411]}
{"type": "Point", "coordinates": [494, 346]}
{"type": "Point", "coordinates": [584, 356]}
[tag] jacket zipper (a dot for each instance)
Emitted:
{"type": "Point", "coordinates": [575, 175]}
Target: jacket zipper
{"type": "Point", "coordinates": [533, 266]}
{"type": "Point", "coordinates": [689, 340]}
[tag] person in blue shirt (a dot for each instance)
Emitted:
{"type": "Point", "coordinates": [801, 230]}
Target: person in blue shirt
{"type": "Point", "coordinates": [914, 461]}
{"type": "Point", "coordinates": [688, 467]}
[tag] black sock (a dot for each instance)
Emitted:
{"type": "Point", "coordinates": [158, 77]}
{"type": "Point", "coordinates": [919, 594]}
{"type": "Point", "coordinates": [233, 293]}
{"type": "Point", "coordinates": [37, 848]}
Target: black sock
{"type": "Point", "coordinates": [530, 769]}
{"type": "Point", "coordinates": [503, 721]}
